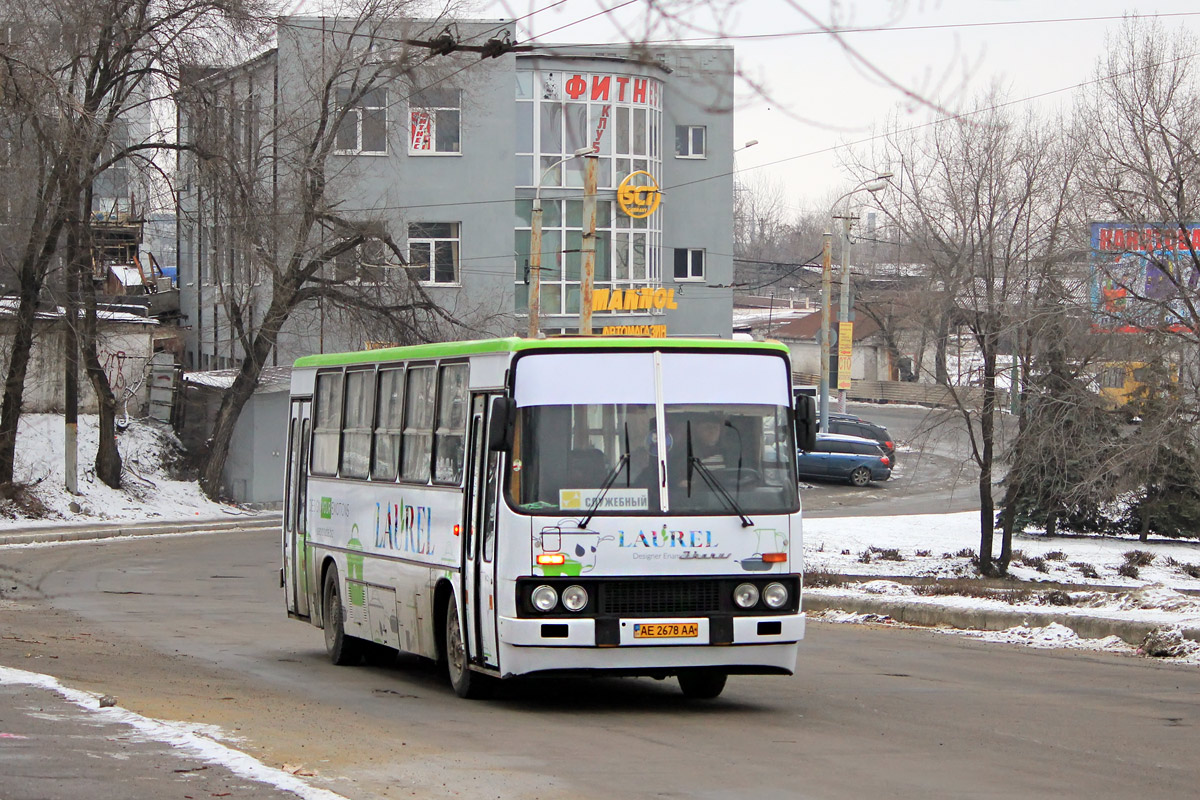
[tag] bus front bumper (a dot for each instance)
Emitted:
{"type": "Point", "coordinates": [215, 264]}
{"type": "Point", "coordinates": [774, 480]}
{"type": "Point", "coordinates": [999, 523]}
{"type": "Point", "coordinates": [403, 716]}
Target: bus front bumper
{"type": "Point", "coordinates": [748, 644]}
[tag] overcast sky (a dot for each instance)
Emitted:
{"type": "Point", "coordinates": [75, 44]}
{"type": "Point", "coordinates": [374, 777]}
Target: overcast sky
{"type": "Point", "coordinates": [818, 97]}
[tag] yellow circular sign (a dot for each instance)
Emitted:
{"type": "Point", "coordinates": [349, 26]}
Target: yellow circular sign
{"type": "Point", "coordinates": [638, 199]}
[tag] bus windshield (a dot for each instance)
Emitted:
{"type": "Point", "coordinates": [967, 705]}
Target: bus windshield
{"type": "Point", "coordinates": [725, 450]}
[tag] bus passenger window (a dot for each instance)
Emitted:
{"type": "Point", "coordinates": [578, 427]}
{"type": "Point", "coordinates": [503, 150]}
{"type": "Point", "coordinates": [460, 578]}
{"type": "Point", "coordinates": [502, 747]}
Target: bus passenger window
{"type": "Point", "coordinates": [388, 425]}
{"type": "Point", "coordinates": [356, 430]}
{"type": "Point", "coordinates": [416, 445]}
{"type": "Point", "coordinates": [449, 440]}
{"type": "Point", "coordinates": [327, 430]}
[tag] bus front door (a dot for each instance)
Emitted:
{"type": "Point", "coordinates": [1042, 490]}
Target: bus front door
{"type": "Point", "coordinates": [295, 519]}
{"type": "Point", "coordinates": [479, 544]}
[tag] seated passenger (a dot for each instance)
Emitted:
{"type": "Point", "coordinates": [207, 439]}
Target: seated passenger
{"type": "Point", "coordinates": [586, 469]}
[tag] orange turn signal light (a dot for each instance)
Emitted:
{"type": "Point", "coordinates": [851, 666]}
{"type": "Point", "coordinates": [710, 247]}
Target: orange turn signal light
{"type": "Point", "coordinates": [774, 558]}
{"type": "Point", "coordinates": [551, 559]}
{"type": "Point", "coordinates": [457, 530]}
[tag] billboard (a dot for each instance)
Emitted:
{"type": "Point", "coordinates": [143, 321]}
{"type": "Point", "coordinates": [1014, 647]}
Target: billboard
{"type": "Point", "coordinates": [1141, 272]}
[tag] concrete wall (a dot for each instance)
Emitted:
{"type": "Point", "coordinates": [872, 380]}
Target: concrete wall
{"type": "Point", "coordinates": [868, 363]}
{"type": "Point", "coordinates": [254, 468]}
{"type": "Point", "coordinates": [254, 471]}
{"type": "Point", "coordinates": [697, 206]}
{"type": "Point", "coordinates": [124, 350]}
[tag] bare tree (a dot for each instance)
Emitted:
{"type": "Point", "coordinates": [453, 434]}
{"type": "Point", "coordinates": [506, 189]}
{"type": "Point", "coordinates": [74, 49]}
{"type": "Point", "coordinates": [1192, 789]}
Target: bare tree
{"type": "Point", "coordinates": [72, 74]}
{"type": "Point", "coordinates": [1142, 174]}
{"type": "Point", "coordinates": [1142, 145]}
{"type": "Point", "coordinates": [293, 235]}
{"type": "Point", "coordinates": [986, 200]}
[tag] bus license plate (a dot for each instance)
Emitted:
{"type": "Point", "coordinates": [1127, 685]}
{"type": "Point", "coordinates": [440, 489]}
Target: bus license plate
{"type": "Point", "coordinates": [666, 630]}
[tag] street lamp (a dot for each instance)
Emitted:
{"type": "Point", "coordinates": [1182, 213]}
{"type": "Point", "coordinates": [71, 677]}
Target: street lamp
{"type": "Point", "coordinates": [871, 185]}
{"type": "Point", "coordinates": [535, 244]}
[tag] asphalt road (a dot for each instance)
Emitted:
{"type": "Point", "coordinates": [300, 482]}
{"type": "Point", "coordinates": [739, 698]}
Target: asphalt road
{"type": "Point", "coordinates": [192, 628]}
{"type": "Point", "coordinates": [934, 470]}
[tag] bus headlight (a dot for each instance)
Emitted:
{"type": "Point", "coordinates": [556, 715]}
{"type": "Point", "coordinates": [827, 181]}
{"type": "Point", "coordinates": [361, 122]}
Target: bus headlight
{"type": "Point", "coordinates": [746, 595]}
{"type": "Point", "coordinates": [544, 598]}
{"type": "Point", "coordinates": [775, 595]}
{"type": "Point", "coordinates": [574, 598]}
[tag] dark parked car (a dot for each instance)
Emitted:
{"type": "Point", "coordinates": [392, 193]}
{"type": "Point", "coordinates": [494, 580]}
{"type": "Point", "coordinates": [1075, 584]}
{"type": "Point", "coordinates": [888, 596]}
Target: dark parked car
{"type": "Point", "coordinates": [849, 458]}
{"type": "Point", "coordinates": [850, 425]}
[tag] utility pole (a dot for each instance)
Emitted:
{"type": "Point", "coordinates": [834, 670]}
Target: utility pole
{"type": "Point", "coordinates": [826, 301]}
{"type": "Point", "coordinates": [589, 243]}
{"type": "Point", "coordinates": [71, 378]}
{"type": "Point", "coordinates": [535, 241]}
{"type": "Point", "coordinates": [535, 267]}
{"type": "Point", "coordinates": [844, 308]}
{"type": "Point", "coordinates": [873, 185]}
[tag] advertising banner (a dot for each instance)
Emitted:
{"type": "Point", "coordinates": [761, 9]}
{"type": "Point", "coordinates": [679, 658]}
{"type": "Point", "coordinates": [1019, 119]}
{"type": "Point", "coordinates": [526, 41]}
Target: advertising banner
{"type": "Point", "coordinates": [845, 353]}
{"type": "Point", "coordinates": [1140, 273]}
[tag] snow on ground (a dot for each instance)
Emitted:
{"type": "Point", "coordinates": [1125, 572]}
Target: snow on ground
{"type": "Point", "coordinates": [1156, 582]}
{"type": "Point", "coordinates": [190, 740]}
{"type": "Point", "coordinates": [941, 546]}
{"type": "Point", "coordinates": [148, 493]}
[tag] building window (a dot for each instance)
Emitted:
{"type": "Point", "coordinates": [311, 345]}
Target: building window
{"type": "Point", "coordinates": [433, 251]}
{"type": "Point", "coordinates": [366, 263]}
{"type": "Point", "coordinates": [620, 117]}
{"type": "Point", "coordinates": [691, 141]}
{"type": "Point", "coordinates": [689, 264]}
{"type": "Point", "coordinates": [364, 128]}
{"type": "Point", "coordinates": [435, 122]}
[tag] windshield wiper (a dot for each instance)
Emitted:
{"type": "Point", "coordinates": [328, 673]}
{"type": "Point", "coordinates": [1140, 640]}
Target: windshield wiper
{"type": "Point", "coordinates": [623, 461]}
{"type": "Point", "coordinates": [693, 462]}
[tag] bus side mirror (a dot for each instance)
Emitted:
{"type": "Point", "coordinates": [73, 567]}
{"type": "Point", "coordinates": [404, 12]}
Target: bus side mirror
{"type": "Point", "coordinates": [501, 424]}
{"type": "Point", "coordinates": [806, 422]}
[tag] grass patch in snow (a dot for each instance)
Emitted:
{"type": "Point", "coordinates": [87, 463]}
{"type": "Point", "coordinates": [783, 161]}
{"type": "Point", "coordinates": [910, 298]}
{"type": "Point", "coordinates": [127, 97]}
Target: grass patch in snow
{"type": "Point", "coordinates": [1138, 558]}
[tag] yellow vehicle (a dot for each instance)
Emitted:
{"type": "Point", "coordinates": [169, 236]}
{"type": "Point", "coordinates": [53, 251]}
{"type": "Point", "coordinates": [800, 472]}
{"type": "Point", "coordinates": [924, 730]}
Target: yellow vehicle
{"type": "Point", "coordinates": [1123, 381]}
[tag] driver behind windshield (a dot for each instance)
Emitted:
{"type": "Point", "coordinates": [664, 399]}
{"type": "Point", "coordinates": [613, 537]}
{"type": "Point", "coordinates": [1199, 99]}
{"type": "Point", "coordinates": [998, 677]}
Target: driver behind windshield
{"type": "Point", "coordinates": [709, 444]}
{"type": "Point", "coordinates": [714, 447]}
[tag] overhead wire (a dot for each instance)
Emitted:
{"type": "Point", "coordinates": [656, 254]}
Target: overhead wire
{"type": "Point", "coordinates": [863, 140]}
{"type": "Point", "coordinates": [900, 28]}
{"type": "Point", "coordinates": [376, 36]}
{"type": "Point", "coordinates": [811, 153]}
{"type": "Point", "coordinates": [601, 13]}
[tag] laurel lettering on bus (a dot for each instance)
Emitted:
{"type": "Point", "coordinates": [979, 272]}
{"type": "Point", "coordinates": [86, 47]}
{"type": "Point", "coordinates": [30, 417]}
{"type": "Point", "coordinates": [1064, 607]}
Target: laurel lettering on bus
{"type": "Point", "coordinates": [405, 527]}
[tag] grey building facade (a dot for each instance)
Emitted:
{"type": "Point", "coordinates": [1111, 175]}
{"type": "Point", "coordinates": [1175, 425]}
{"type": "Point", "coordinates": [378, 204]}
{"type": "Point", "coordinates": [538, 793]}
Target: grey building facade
{"type": "Point", "coordinates": [451, 167]}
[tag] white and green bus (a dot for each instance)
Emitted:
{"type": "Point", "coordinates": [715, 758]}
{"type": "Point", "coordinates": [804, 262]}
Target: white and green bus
{"type": "Point", "coordinates": [550, 506]}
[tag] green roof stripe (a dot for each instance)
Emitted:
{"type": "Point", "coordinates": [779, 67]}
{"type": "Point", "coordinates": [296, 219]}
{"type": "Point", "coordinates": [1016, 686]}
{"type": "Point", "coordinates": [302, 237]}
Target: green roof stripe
{"type": "Point", "coordinates": [514, 345]}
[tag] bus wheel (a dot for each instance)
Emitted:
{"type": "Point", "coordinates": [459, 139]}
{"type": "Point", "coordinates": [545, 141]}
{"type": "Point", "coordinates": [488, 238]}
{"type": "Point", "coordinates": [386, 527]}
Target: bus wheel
{"type": "Point", "coordinates": [343, 649]}
{"type": "Point", "coordinates": [702, 684]}
{"type": "Point", "coordinates": [467, 684]}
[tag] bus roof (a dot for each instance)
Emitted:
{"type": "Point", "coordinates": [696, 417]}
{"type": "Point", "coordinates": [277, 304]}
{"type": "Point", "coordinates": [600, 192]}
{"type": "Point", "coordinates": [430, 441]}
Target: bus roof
{"type": "Point", "coordinates": [515, 344]}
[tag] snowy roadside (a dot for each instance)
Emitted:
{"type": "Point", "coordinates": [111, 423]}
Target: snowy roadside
{"type": "Point", "coordinates": [150, 453]}
{"type": "Point", "coordinates": [1143, 582]}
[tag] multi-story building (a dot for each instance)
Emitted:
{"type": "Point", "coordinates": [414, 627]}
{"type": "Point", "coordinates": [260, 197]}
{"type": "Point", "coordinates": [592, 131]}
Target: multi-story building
{"type": "Point", "coordinates": [451, 167]}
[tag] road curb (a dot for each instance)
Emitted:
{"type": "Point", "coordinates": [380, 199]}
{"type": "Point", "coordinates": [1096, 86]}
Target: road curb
{"type": "Point", "coordinates": [933, 615]}
{"type": "Point", "coordinates": [87, 532]}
